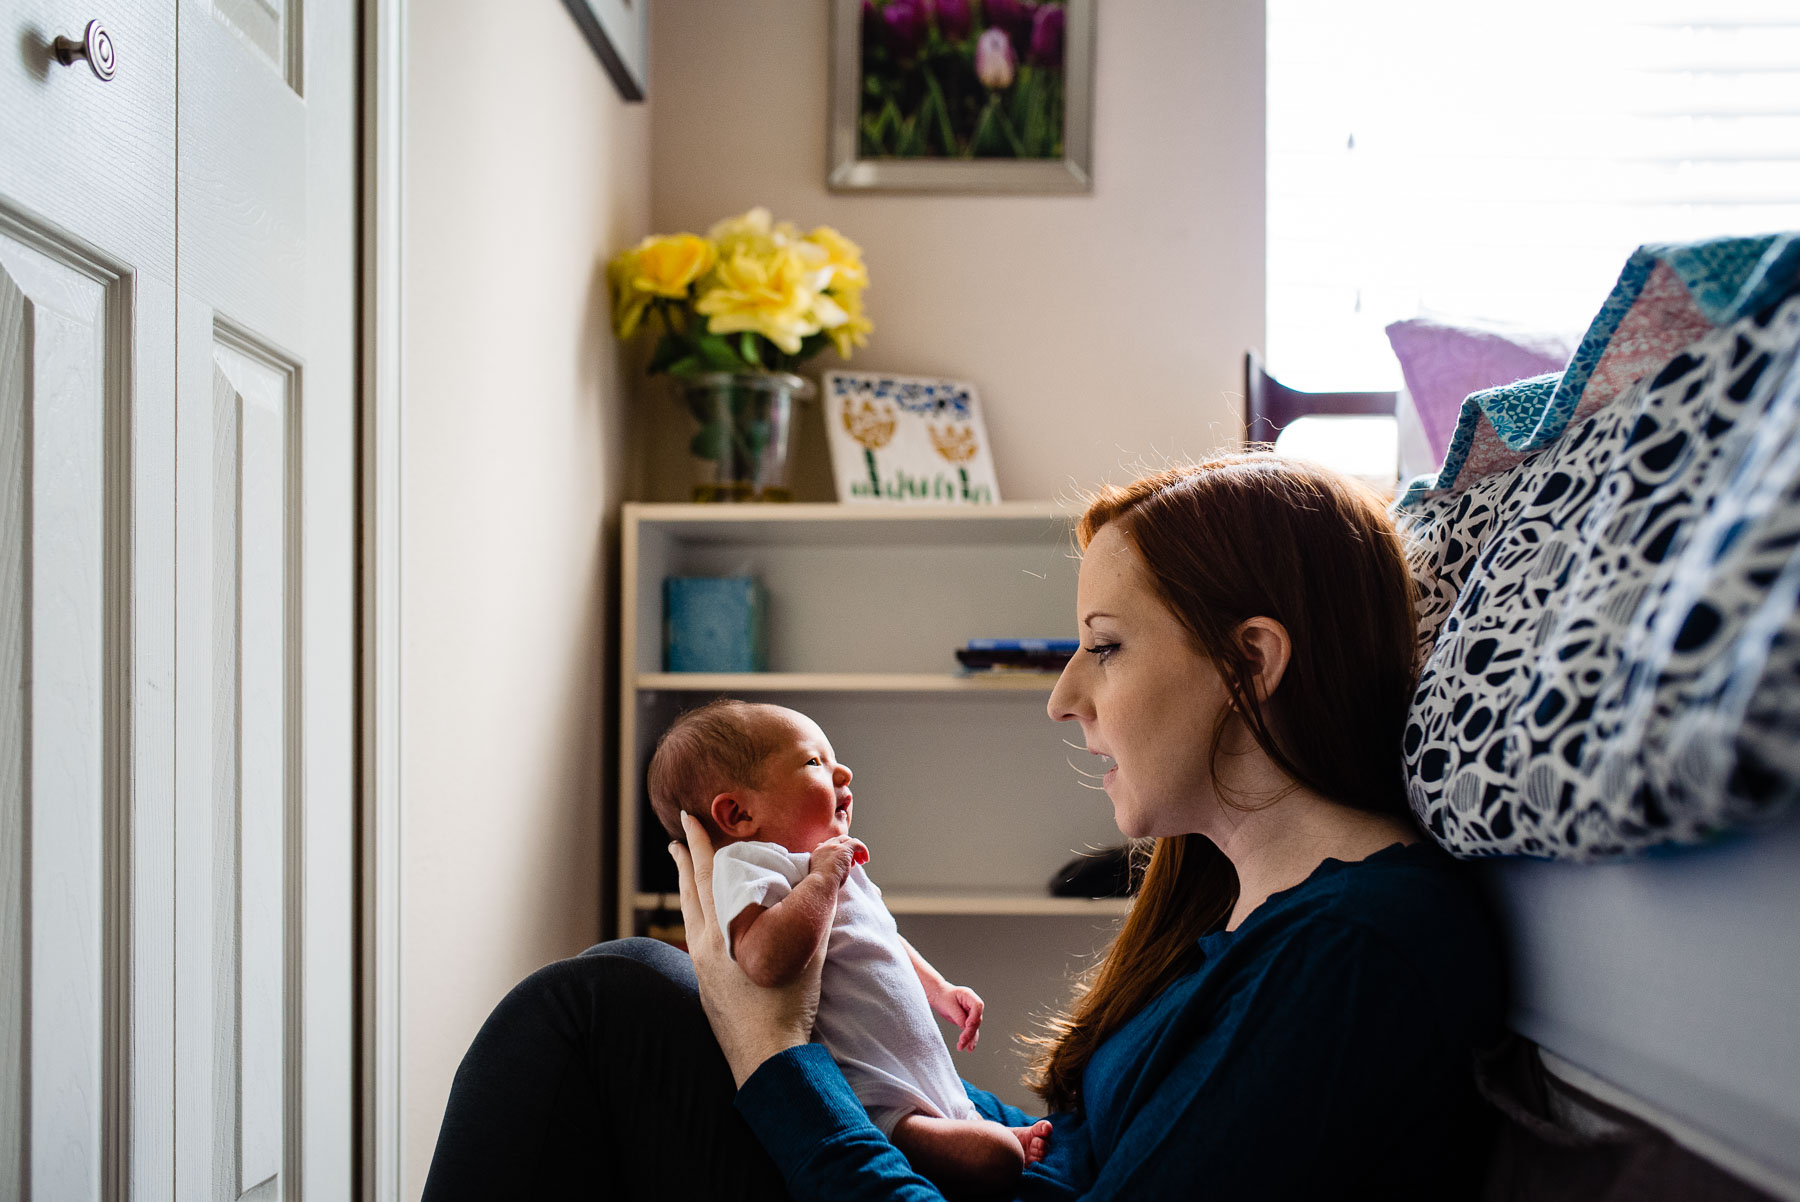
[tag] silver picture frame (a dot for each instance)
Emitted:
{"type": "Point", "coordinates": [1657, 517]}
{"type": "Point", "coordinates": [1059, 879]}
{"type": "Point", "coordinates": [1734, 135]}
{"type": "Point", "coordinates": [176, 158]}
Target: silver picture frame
{"type": "Point", "coordinates": [619, 33]}
{"type": "Point", "coordinates": [1073, 173]}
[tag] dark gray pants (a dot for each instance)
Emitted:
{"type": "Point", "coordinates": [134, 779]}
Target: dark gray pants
{"type": "Point", "coordinates": [597, 1077]}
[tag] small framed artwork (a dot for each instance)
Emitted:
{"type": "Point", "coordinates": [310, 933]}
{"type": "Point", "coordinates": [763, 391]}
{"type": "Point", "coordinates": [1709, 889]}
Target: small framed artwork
{"type": "Point", "coordinates": [961, 96]}
{"type": "Point", "coordinates": [618, 31]}
{"type": "Point", "coordinates": [907, 439]}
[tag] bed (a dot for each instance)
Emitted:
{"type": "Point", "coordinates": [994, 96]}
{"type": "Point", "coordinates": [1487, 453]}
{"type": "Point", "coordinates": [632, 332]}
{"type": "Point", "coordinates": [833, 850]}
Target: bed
{"type": "Point", "coordinates": [1608, 717]}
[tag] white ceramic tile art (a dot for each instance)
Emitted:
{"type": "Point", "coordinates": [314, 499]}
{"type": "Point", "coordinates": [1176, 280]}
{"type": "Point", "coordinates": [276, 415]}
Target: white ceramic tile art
{"type": "Point", "coordinates": [907, 439]}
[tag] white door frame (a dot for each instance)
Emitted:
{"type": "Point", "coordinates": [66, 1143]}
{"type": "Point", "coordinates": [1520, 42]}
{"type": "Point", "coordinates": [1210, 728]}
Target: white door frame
{"type": "Point", "coordinates": [382, 89]}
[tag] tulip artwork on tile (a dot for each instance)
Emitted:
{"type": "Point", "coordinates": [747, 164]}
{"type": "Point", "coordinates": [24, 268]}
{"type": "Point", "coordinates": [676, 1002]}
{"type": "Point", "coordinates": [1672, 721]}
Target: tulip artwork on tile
{"type": "Point", "coordinates": [957, 79]}
{"type": "Point", "coordinates": [907, 439]}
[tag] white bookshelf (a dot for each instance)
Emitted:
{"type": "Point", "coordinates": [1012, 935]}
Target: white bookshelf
{"type": "Point", "coordinates": [965, 790]}
{"type": "Point", "coordinates": [965, 793]}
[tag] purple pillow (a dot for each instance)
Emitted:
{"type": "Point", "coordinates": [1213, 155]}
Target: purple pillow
{"type": "Point", "coordinates": [1444, 362]}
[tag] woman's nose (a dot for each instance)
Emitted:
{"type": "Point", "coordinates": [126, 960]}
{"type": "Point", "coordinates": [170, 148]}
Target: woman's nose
{"type": "Point", "coordinates": [1063, 698]}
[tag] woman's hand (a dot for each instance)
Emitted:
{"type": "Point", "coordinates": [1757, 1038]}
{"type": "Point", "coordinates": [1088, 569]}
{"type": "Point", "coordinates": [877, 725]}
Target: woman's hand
{"type": "Point", "coordinates": [750, 1022]}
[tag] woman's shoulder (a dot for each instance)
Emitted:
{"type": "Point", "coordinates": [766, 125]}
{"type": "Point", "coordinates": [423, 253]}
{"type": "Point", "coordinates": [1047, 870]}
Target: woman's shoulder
{"type": "Point", "coordinates": [1408, 893]}
{"type": "Point", "coordinates": [1409, 879]}
{"type": "Point", "coordinates": [1409, 906]}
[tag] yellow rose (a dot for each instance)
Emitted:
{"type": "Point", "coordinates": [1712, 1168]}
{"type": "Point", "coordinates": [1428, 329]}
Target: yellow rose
{"type": "Point", "coordinates": [855, 329]}
{"type": "Point", "coordinates": [752, 232]}
{"type": "Point", "coordinates": [665, 266]}
{"type": "Point", "coordinates": [774, 295]}
{"type": "Point", "coordinates": [844, 256]}
{"type": "Point", "coordinates": [629, 302]}
{"type": "Point", "coordinates": [825, 312]}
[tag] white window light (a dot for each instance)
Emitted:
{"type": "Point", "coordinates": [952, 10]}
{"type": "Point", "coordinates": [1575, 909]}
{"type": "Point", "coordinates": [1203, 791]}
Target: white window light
{"type": "Point", "coordinates": [1499, 164]}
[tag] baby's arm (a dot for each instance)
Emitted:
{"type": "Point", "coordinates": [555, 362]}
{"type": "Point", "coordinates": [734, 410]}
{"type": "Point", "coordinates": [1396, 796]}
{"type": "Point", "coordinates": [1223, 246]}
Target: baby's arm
{"type": "Point", "coordinates": [773, 943]}
{"type": "Point", "coordinates": [955, 1003]}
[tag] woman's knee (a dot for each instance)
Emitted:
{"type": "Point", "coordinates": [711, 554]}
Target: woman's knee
{"type": "Point", "coordinates": [664, 958]}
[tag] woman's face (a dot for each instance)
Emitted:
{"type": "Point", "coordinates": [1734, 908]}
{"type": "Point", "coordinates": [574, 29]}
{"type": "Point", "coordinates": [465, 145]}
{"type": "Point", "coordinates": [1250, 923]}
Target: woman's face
{"type": "Point", "coordinates": [1145, 698]}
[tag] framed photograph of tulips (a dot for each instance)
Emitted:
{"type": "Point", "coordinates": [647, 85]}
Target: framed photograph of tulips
{"type": "Point", "coordinates": [962, 95]}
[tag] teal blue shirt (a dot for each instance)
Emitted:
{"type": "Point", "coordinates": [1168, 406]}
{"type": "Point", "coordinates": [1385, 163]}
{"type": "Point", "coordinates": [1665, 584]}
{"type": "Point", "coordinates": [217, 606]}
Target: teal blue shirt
{"type": "Point", "coordinates": [1321, 1050]}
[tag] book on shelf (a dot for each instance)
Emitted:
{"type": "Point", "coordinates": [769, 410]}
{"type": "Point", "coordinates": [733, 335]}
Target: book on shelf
{"type": "Point", "coordinates": [715, 624]}
{"type": "Point", "coordinates": [1017, 655]}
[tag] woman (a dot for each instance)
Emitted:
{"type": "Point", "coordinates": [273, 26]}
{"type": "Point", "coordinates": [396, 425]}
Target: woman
{"type": "Point", "coordinates": [1291, 1006]}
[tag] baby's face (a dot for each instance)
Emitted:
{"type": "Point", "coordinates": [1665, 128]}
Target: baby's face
{"type": "Point", "coordinates": [804, 795]}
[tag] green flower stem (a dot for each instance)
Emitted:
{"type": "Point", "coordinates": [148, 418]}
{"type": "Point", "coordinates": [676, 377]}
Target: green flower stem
{"type": "Point", "coordinates": [1011, 135]}
{"type": "Point", "coordinates": [945, 133]}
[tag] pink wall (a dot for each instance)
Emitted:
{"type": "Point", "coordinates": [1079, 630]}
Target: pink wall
{"type": "Point", "coordinates": [1102, 330]}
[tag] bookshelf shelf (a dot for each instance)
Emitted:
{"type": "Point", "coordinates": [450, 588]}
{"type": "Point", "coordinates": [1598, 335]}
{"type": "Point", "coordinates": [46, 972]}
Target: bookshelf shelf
{"type": "Point", "coordinates": [971, 904]}
{"type": "Point", "coordinates": [847, 682]}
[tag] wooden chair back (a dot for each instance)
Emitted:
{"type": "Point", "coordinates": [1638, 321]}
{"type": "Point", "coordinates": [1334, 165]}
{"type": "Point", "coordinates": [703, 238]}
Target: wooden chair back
{"type": "Point", "coordinates": [1270, 405]}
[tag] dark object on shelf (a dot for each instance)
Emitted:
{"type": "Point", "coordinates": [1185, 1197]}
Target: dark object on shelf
{"type": "Point", "coordinates": [656, 869]}
{"type": "Point", "coordinates": [1017, 661]}
{"type": "Point", "coordinates": [1020, 655]}
{"type": "Point", "coordinates": [1104, 873]}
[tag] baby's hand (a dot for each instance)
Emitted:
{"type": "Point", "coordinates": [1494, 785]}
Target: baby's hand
{"type": "Point", "coordinates": [962, 1006]}
{"type": "Point", "coordinates": [832, 859]}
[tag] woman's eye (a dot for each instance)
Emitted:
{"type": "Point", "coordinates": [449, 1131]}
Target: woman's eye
{"type": "Point", "coordinates": [1101, 651]}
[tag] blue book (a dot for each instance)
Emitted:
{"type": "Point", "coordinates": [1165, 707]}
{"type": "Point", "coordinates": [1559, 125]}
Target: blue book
{"type": "Point", "coordinates": [1054, 646]}
{"type": "Point", "coordinates": [714, 624]}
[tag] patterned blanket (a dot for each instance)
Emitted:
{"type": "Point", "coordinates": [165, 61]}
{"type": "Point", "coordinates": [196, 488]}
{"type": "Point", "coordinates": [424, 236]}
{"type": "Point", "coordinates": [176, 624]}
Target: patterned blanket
{"type": "Point", "coordinates": [1610, 562]}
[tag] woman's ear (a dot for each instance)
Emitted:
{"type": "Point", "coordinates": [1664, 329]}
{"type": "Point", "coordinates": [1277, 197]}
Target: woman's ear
{"type": "Point", "coordinates": [729, 815]}
{"type": "Point", "coordinates": [1268, 648]}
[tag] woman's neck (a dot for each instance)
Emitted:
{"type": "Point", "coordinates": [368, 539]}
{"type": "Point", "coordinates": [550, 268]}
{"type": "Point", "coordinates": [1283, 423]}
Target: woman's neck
{"type": "Point", "coordinates": [1278, 846]}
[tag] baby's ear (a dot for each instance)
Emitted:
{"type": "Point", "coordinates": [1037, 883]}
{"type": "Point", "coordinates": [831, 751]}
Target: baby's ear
{"type": "Point", "coordinates": [729, 815]}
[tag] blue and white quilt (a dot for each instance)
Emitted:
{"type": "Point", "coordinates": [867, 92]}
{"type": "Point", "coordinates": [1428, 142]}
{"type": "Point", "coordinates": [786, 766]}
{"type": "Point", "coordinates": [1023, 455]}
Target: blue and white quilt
{"type": "Point", "coordinates": [1610, 568]}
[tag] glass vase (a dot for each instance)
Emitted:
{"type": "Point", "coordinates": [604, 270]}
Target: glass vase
{"type": "Point", "coordinates": [742, 449]}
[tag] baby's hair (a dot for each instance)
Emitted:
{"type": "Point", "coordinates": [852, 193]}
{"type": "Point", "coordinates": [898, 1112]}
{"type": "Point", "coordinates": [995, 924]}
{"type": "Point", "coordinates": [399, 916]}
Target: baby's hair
{"type": "Point", "coordinates": [705, 752]}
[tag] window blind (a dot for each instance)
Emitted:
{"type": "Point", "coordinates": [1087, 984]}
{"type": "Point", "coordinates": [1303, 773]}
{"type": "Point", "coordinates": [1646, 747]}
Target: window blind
{"type": "Point", "coordinates": [1499, 163]}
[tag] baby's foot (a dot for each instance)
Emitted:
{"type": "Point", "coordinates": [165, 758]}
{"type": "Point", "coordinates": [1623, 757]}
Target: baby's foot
{"type": "Point", "coordinates": [1034, 1140]}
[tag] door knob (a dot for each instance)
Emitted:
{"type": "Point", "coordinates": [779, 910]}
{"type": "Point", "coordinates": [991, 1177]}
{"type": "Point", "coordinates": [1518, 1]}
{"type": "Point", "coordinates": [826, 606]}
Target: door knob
{"type": "Point", "coordinates": [96, 46]}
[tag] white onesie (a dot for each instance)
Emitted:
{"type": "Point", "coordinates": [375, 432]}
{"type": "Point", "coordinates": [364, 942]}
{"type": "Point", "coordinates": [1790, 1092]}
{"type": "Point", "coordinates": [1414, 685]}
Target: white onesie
{"type": "Point", "coordinates": [874, 1018]}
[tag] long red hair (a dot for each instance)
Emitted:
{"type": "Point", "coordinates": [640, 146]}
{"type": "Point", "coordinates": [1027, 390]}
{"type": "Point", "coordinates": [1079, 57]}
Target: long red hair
{"type": "Point", "coordinates": [1237, 537]}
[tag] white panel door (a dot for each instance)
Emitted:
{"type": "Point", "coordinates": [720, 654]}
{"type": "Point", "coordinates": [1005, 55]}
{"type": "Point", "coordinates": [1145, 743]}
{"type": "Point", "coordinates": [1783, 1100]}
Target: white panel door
{"type": "Point", "coordinates": [176, 601]}
{"type": "Point", "coordinates": [264, 461]}
{"type": "Point", "coordinates": [87, 317]}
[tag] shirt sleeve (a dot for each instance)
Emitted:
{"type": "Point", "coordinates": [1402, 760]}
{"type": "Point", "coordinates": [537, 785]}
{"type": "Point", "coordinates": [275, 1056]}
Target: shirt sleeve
{"type": "Point", "coordinates": [750, 874]}
{"type": "Point", "coordinates": [802, 1112]}
{"type": "Point", "coordinates": [1312, 1072]}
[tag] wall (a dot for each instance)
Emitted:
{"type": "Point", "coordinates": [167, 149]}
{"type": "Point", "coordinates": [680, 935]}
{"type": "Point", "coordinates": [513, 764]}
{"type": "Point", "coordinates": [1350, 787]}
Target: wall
{"type": "Point", "coordinates": [1101, 329]}
{"type": "Point", "coordinates": [523, 170]}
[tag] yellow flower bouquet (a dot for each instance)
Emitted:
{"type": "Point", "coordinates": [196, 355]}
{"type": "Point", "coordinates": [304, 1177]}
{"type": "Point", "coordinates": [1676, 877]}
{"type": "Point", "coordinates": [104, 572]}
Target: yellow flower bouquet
{"type": "Point", "coordinates": [738, 311]}
{"type": "Point", "coordinates": [753, 295]}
